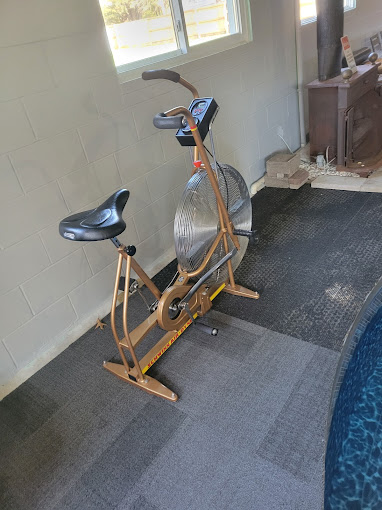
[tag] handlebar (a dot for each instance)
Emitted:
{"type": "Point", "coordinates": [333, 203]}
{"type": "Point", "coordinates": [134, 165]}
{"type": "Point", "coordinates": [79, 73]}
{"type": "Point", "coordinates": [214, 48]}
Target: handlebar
{"type": "Point", "coordinates": [161, 121]}
{"type": "Point", "coordinates": [164, 74]}
{"type": "Point", "coordinates": [171, 119]}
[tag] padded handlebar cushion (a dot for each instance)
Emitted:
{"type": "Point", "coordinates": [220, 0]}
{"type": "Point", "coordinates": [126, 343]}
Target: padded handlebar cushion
{"type": "Point", "coordinates": [164, 74]}
{"type": "Point", "coordinates": [161, 121]}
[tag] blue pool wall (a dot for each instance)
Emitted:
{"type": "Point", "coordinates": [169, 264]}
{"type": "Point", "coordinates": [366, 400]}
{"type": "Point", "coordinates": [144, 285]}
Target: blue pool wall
{"type": "Point", "coordinates": [369, 309]}
{"type": "Point", "coordinates": [355, 366]}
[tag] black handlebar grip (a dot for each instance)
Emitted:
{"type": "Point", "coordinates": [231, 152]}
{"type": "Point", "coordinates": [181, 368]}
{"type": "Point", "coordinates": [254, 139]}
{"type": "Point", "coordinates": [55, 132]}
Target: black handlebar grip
{"type": "Point", "coordinates": [162, 122]}
{"type": "Point", "coordinates": [163, 74]}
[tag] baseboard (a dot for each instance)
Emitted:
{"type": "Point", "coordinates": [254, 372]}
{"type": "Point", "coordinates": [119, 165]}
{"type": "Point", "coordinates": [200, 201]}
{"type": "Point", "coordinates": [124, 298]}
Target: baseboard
{"type": "Point", "coordinates": [66, 338]}
{"type": "Point", "coordinates": [257, 186]}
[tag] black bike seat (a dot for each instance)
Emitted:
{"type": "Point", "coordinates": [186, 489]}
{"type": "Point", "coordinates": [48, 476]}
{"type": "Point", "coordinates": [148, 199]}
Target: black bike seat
{"type": "Point", "coordinates": [104, 222]}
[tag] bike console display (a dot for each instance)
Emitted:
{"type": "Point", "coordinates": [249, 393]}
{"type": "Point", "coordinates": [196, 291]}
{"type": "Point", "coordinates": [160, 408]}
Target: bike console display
{"type": "Point", "coordinates": [203, 110]}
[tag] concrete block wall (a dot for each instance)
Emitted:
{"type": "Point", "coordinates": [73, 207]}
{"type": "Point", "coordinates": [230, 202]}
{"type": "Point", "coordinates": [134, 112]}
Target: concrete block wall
{"type": "Point", "coordinates": [71, 134]}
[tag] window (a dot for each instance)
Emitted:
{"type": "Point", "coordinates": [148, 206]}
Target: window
{"type": "Point", "coordinates": [308, 9]}
{"type": "Point", "coordinates": [142, 32]}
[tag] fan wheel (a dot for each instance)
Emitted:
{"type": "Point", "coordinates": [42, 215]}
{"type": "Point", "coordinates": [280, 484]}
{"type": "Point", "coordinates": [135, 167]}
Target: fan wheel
{"type": "Point", "coordinates": [170, 318]}
{"type": "Point", "coordinates": [197, 221]}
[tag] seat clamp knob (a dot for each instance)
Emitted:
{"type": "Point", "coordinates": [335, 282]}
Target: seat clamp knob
{"type": "Point", "coordinates": [131, 250]}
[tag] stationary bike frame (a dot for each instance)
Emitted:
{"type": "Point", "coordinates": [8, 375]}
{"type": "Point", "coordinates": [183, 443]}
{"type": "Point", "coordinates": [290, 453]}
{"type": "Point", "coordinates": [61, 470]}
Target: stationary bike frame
{"type": "Point", "coordinates": [201, 296]}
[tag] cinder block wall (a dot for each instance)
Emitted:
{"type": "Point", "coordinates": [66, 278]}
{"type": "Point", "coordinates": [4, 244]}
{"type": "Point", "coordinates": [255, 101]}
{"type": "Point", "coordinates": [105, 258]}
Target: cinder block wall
{"type": "Point", "coordinates": [71, 135]}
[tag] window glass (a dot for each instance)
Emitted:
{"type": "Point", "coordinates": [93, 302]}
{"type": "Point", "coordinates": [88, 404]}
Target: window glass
{"type": "Point", "coordinates": [138, 29]}
{"type": "Point", "coordinates": [308, 10]}
{"type": "Point", "coordinates": [209, 19]}
{"type": "Point", "coordinates": [144, 32]}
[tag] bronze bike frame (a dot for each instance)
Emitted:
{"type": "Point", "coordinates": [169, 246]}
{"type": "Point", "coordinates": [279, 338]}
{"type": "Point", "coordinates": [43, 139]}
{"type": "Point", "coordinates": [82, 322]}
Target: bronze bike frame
{"type": "Point", "coordinates": [225, 223]}
{"type": "Point", "coordinates": [136, 375]}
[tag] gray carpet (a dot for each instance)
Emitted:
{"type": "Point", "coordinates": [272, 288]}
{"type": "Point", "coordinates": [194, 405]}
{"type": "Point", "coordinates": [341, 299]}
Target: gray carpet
{"type": "Point", "coordinates": [247, 431]}
{"type": "Point", "coordinates": [319, 255]}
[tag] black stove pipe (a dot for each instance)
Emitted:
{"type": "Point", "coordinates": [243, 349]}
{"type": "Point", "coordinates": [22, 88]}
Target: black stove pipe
{"type": "Point", "coordinates": [330, 29]}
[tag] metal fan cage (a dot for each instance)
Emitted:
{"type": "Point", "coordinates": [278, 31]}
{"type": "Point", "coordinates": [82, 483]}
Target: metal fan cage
{"type": "Point", "coordinates": [197, 221]}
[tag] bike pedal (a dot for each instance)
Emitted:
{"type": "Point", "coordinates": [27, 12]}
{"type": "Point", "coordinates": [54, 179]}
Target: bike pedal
{"type": "Point", "coordinates": [205, 328]}
{"type": "Point", "coordinates": [252, 235]}
{"type": "Point", "coordinates": [254, 239]}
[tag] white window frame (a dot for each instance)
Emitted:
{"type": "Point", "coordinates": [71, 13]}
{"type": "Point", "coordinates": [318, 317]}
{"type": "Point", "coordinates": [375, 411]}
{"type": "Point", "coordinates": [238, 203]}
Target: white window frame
{"type": "Point", "coordinates": [349, 5]}
{"type": "Point", "coordinates": [186, 53]}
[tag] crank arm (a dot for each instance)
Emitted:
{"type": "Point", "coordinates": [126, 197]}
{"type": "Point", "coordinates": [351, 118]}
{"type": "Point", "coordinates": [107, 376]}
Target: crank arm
{"type": "Point", "coordinates": [199, 325]}
{"type": "Point", "coordinates": [205, 277]}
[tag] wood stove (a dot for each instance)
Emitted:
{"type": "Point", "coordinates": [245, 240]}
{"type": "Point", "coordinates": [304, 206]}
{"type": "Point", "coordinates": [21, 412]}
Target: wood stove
{"type": "Point", "coordinates": [346, 116]}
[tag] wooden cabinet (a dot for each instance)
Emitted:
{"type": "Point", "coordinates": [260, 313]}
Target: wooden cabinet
{"type": "Point", "coordinates": [347, 118]}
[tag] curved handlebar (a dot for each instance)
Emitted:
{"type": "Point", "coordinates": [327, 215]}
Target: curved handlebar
{"type": "Point", "coordinates": [164, 74]}
{"type": "Point", "coordinates": [161, 121]}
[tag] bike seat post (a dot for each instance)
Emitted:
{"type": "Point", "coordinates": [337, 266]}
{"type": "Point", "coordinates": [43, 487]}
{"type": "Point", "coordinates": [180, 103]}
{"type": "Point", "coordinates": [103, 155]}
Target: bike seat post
{"type": "Point", "coordinates": [129, 250]}
{"type": "Point", "coordinates": [116, 242]}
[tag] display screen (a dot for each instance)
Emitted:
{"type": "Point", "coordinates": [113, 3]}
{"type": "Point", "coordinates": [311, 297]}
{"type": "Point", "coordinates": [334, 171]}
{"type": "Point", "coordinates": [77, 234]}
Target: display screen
{"type": "Point", "coordinates": [199, 108]}
{"type": "Point", "coordinates": [203, 111]}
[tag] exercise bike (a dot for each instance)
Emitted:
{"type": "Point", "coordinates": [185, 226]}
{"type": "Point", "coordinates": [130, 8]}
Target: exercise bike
{"type": "Point", "coordinates": [212, 229]}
